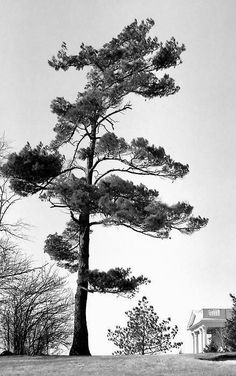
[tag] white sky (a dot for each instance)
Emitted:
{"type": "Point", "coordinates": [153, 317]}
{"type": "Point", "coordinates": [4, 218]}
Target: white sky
{"type": "Point", "coordinates": [196, 126]}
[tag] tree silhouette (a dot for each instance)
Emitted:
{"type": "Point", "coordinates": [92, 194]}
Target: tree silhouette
{"type": "Point", "coordinates": [35, 312]}
{"type": "Point", "coordinates": [230, 328]}
{"type": "Point", "coordinates": [85, 183]}
{"type": "Point", "coordinates": [144, 334]}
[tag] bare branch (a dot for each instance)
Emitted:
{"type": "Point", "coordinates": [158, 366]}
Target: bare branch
{"type": "Point", "coordinates": [22, 272]}
{"type": "Point", "coordinates": [126, 107]}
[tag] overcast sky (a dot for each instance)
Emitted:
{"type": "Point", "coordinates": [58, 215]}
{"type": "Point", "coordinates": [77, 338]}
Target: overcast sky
{"type": "Point", "coordinates": [196, 126]}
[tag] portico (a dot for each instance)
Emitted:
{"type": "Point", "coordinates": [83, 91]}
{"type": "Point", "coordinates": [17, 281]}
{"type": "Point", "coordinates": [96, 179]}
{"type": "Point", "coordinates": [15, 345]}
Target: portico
{"type": "Point", "coordinates": [207, 324]}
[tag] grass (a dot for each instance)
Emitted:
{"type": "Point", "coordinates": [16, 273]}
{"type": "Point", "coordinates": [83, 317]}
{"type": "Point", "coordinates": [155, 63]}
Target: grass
{"type": "Point", "coordinates": [158, 365]}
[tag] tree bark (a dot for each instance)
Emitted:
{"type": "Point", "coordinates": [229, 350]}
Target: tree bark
{"type": "Point", "coordinates": [80, 344]}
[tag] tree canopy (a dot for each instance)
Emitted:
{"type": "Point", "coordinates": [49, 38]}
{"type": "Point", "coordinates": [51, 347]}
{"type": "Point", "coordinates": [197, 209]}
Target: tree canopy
{"type": "Point", "coordinates": [85, 183]}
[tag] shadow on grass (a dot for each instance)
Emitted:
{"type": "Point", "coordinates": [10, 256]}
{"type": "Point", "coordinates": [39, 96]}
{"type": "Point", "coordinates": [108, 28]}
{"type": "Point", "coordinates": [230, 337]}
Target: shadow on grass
{"type": "Point", "coordinates": [218, 357]}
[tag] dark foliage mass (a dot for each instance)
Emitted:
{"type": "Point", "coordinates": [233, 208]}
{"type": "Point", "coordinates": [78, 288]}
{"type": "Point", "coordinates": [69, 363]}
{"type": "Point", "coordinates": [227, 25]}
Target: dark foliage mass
{"type": "Point", "coordinates": [90, 184]}
{"type": "Point", "coordinates": [116, 281]}
{"type": "Point", "coordinates": [31, 170]}
{"type": "Point", "coordinates": [230, 329]}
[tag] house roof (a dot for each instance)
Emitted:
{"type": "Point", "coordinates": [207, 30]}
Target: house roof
{"type": "Point", "coordinates": [208, 315]}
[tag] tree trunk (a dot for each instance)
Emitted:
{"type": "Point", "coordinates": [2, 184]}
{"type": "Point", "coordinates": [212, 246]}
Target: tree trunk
{"type": "Point", "coordinates": [80, 344]}
{"type": "Point", "coordinates": [80, 339]}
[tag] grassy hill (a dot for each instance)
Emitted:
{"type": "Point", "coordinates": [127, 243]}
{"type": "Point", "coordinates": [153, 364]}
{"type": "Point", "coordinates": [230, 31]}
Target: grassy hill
{"type": "Point", "coordinates": [158, 365]}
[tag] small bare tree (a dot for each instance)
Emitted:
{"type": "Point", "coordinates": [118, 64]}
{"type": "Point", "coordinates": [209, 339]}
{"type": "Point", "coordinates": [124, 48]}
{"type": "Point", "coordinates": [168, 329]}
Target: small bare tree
{"type": "Point", "coordinates": [35, 313]}
{"type": "Point", "coordinates": [12, 262]}
{"type": "Point", "coordinates": [7, 199]}
{"type": "Point", "coordinates": [34, 302]}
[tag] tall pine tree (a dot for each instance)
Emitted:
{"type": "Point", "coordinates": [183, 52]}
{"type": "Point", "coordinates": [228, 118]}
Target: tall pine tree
{"type": "Point", "coordinates": [86, 183]}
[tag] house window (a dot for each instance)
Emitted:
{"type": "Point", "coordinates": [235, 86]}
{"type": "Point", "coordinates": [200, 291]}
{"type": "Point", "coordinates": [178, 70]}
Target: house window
{"type": "Point", "coordinates": [214, 312]}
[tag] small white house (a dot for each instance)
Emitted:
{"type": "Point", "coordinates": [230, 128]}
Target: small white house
{"type": "Point", "coordinates": [206, 325]}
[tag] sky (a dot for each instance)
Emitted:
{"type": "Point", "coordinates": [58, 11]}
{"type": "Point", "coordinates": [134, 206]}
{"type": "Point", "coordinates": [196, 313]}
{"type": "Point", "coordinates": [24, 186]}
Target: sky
{"type": "Point", "coordinates": [195, 126]}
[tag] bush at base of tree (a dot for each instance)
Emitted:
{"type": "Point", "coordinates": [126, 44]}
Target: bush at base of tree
{"type": "Point", "coordinates": [144, 333]}
{"type": "Point", "coordinates": [211, 348]}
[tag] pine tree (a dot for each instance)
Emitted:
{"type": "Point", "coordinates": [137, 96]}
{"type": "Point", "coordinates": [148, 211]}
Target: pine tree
{"type": "Point", "coordinates": [86, 183]}
{"type": "Point", "coordinates": [230, 329]}
{"type": "Point", "coordinates": [144, 334]}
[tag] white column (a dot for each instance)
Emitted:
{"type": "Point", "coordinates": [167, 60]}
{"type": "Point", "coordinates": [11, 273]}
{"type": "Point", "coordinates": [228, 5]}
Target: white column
{"type": "Point", "coordinates": [204, 332]}
{"type": "Point", "coordinates": [194, 347]}
{"type": "Point", "coordinates": [196, 342]}
{"type": "Point", "coordinates": [201, 340]}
